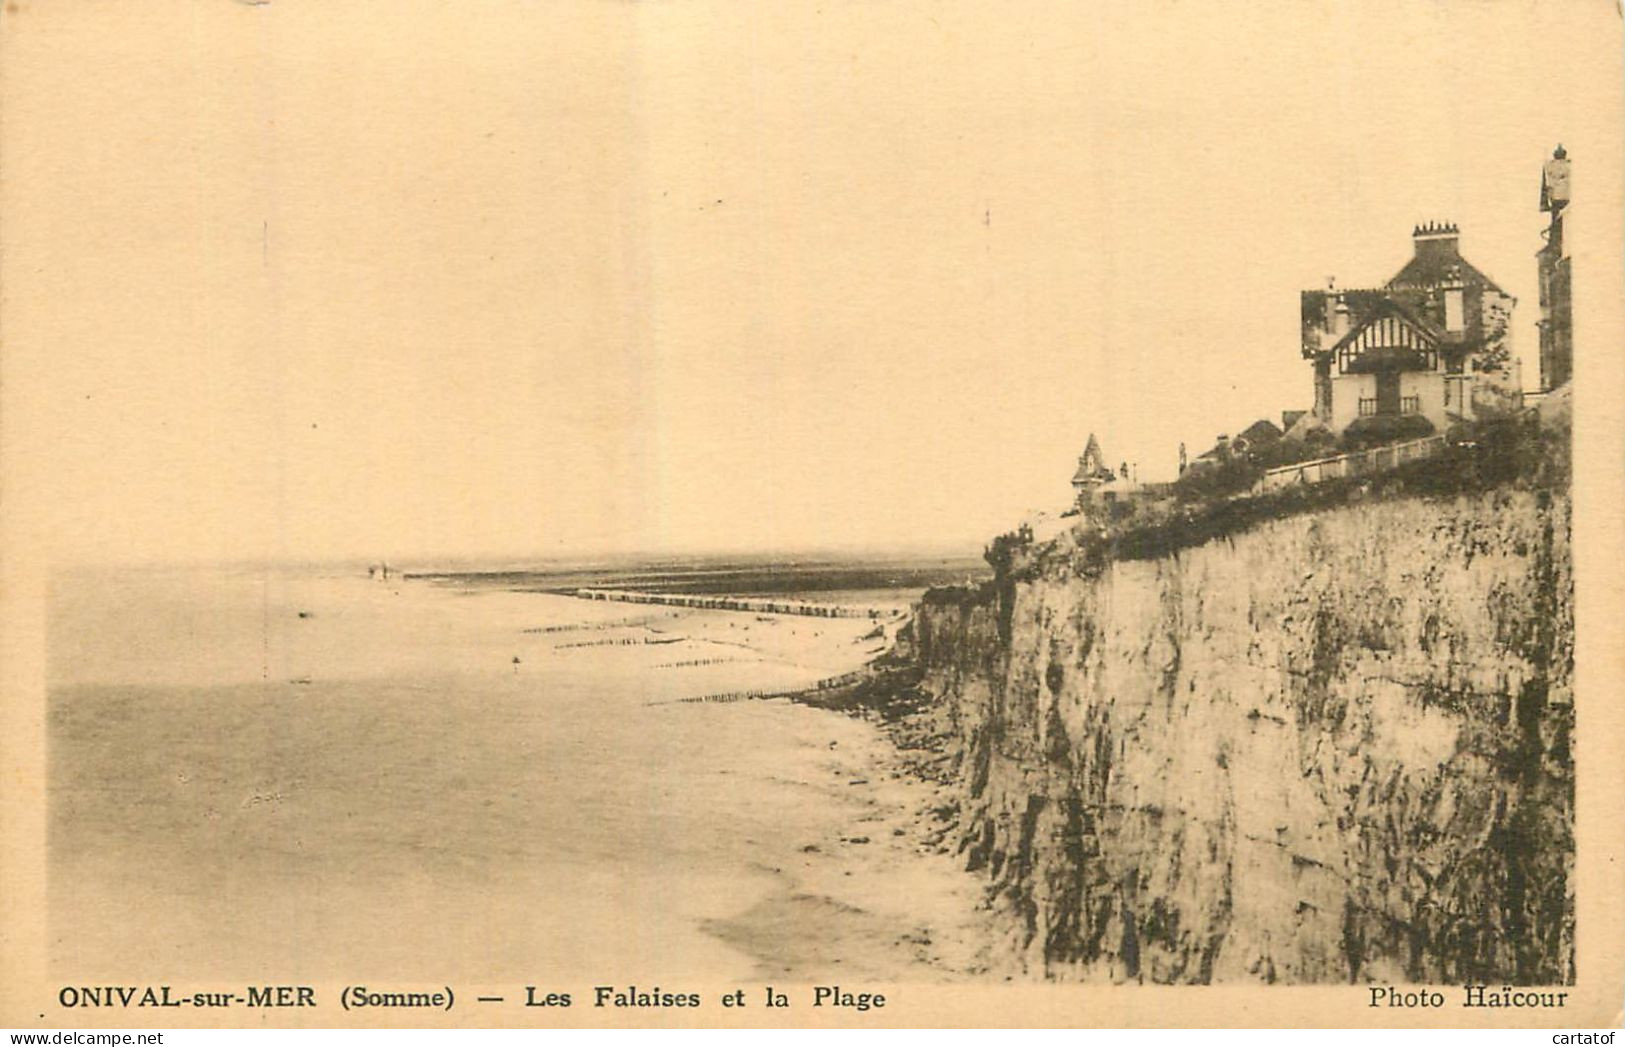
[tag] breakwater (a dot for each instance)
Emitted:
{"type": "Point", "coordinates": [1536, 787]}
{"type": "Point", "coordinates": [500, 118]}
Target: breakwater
{"type": "Point", "coordinates": [826, 684]}
{"type": "Point", "coordinates": [757, 605]}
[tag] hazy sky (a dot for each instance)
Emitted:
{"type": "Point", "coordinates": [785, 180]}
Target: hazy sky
{"type": "Point", "coordinates": [303, 279]}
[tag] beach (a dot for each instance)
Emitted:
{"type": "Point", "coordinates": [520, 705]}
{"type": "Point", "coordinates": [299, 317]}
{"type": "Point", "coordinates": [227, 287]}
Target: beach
{"type": "Point", "coordinates": [310, 775]}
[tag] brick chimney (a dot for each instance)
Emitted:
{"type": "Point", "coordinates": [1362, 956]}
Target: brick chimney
{"type": "Point", "coordinates": [1437, 242]}
{"type": "Point", "coordinates": [1340, 317]}
{"type": "Point", "coordinates": [1455, 305]}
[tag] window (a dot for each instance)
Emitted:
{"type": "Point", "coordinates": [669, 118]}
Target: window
{"type": "Point", "coordinates": [1368, 406]}
{"type": "Point", "coordinates": [1455, 318]}
{"type": "Point", "coordinates": [1410, 405]}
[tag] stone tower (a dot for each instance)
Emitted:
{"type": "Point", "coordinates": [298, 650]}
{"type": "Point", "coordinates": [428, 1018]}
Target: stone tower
{"type": "Point", "coordinates": [1552, 263]}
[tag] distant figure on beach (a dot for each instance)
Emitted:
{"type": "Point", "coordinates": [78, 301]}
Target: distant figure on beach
{"type": "Point", "coordinates": [516, 665]}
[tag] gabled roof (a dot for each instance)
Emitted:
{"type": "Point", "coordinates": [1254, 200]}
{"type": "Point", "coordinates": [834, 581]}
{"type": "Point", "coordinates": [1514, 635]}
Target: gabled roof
{"type": "Point", "coordinates": [1260, 432]}
{"type": "Point", "coordinates": [1385, 307]}
{"type": "Point", "coordinates": [1432, 268]}
{"type": "Point", "coordinates": [1263, 429]}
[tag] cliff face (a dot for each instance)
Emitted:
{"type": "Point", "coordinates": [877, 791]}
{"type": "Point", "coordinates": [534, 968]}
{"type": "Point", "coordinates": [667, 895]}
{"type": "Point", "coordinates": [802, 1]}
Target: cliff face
{"type": "Point", "coordinates": [1332, 748]}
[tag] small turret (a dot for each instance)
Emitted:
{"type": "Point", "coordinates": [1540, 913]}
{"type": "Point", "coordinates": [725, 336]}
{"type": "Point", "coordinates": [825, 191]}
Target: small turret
{"type": "Point", "coordinates": [1554, 181]}
{"type": "Point", "coordinates": [1092, 471]}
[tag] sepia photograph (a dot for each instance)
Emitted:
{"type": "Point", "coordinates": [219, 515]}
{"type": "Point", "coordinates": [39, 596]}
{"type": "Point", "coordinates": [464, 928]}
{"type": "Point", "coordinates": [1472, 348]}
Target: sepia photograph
{"type": "Point", "coordinates": [828, 514]}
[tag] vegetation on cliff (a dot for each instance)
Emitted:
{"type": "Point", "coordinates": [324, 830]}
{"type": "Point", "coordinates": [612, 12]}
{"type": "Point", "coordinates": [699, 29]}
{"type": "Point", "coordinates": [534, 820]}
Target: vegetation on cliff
{"type": "Point", "coordinates": [1508, 452]}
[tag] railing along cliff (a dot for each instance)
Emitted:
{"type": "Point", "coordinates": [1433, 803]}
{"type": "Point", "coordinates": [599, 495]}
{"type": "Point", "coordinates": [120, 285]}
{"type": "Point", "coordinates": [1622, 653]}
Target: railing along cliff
{"type": "Point", "coordinates": [1356, 463]}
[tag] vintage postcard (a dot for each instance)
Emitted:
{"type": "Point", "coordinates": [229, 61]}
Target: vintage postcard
{"type": "Point", "coordinates": [812, 514]}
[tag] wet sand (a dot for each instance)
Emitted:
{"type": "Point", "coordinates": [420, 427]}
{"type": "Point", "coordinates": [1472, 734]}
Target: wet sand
{"type": "Point", "coordinates": [324, 777]}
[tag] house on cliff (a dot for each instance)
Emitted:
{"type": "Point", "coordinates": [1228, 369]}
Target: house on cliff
{"type": "Point", "coordinates": [1429, 347]}
{"type": "Point", "coordinates": [1251, 442]}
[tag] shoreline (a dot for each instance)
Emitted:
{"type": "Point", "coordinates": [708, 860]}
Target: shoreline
{"type": "Point", "coordinates": [883, 888]}
{"type": "Point", "coordinates": [375, 748]}
{"type": "Point", "coordinates": [910, 776]}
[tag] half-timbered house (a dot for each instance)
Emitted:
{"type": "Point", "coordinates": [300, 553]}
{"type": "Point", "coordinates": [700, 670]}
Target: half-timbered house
{"type": "Point", "coordinates": [1416, 354]}
{"type": "Point", "coordinates": [1390, 364]}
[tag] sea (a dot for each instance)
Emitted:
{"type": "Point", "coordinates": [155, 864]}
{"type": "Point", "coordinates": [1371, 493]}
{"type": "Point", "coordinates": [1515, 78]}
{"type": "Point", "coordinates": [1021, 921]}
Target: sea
{"type": "Point", "coordinates": [312, 774]}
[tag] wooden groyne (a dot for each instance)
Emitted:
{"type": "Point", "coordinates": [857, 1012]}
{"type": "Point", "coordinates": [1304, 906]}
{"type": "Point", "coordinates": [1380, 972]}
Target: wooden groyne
{"type": "Point", "coordinates": [609, 623]}
{"type": "Point", "coordinates": [827, 683]}
{"type": "Point", "coordinates": [623, 641]}
{"type": "Point", "coordinates": [755, 605]}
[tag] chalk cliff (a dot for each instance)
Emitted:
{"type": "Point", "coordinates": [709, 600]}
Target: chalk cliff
{"type": "Point", "coordinates": [1332, 747]}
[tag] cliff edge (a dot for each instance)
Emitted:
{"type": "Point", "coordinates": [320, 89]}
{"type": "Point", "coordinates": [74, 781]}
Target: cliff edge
{"type": "Point", "coordinates": [1328, 747]}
